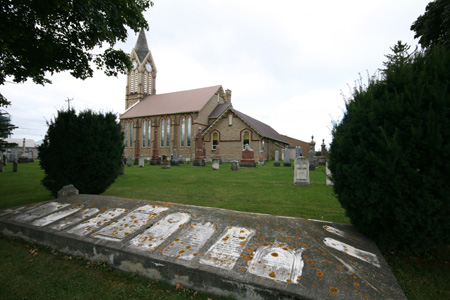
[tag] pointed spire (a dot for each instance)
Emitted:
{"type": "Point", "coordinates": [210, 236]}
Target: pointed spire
{"type": "Point", "coordinates": [141, 47]}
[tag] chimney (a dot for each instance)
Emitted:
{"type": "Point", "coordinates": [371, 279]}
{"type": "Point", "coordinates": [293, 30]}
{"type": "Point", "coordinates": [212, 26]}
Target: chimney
{"type": "Point", "coordinates": [228, 95]}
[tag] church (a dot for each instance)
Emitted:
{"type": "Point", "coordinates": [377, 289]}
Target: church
{"type": "Point", "coordinates": [156, 124]}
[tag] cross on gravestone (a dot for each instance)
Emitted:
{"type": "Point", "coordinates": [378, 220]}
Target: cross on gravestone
{"type": "Point", "coordinates": [276, 163]}
{"type": "Point", "coordinates": [301, 171]}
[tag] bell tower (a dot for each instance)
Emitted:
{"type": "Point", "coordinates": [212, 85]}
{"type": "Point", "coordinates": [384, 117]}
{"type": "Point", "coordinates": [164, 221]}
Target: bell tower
{"type": "Point", "coordinates": [141, 78]}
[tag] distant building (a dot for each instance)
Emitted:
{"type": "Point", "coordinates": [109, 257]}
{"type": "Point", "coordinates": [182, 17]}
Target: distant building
{"type": "Point", "coordinates": [171, 120]}
{"type": "Point", "coordinates": [31, 149]}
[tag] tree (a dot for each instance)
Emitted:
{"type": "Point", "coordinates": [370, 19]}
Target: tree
{"type": "Point", "coordinates": [5, 126]}
{"type": "Point", "coordinates": [84, 150]}
{"type": "Point", "coordinates": [433, 27]}
{"type": "Point", "coordinates": [386, 173]}
{"type": "Point", "coordinates": [42, 37]}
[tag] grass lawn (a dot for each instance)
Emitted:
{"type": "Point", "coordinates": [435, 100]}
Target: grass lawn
{"type": "Point", "coordinates": [33, 272]}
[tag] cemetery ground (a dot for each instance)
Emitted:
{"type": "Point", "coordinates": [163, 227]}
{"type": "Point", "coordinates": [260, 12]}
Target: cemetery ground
{"type": "Point", "coordinates": [36, 272]}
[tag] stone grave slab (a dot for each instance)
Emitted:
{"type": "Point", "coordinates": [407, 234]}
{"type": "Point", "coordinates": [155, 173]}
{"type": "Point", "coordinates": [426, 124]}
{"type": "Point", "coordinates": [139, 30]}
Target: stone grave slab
{"type": "Point", "coordinates": [245, 255]}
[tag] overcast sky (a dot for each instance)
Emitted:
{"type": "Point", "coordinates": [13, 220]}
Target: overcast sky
{"type": "Point", "coordinates": [285, 61]}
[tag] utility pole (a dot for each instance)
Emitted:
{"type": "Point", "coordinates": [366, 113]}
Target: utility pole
{"type": "Point", "coordinates": [68, 102]}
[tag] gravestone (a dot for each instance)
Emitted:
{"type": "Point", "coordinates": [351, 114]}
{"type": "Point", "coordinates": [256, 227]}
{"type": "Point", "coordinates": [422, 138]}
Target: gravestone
{"type": "Point", "coordinates": [215, 164]}
{"type": "Point", "coordinates": [301, 171]}
{"type": "Point", "coordinates": [286, 161]}
{"type": "Point", "coordinates": [67, 190]}
{"type": "Point", "coordinates": [276, 163]}
{"type": "Point", "coordinates": [15, 166]}
{"type": "Point", "coordinates": [1, 166]}
{"type": "Point", "coordinates": [174, 160]}
{"type": "Point", "coordinates": [129, 161]}
{"type": "Point", "coordinates": [4, 160]}
{"type": "Point", "coordinates": [312, 165]}
{"type": "Point", "coordinates": [298, 151]}
{"type": "Point", "coordinates": [323, 155]}
{"type": "Point", "coordinates": [248, 158]}
{"type": "Point", "coordinates": [122, 169]}
{"type": "Point", "coordinates": [329, 176]}
{"type": "Point", "coordinates": [165, 163]}
{"type": "Point", "coordinates": [141, 162]}
{"type": "Point", "coordinates": [261, 161]}
{"type": "Point", "coordinates": [234, 165]}
{"type": "Point", "coordinates": [181, 160]}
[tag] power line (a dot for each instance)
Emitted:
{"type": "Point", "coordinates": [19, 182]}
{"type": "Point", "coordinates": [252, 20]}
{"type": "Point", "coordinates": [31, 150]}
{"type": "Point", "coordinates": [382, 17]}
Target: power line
{"type": "Point", "coordinates": [68, 102]}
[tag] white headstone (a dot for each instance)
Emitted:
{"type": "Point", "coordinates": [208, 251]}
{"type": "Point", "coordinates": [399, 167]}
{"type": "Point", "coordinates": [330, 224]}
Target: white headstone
{"type": "Point", "coordinates": [141, 162]}
{"type": "Point", "coordinates": [301, 171]}
{"type": "Point", "coordinates": [215, 164]}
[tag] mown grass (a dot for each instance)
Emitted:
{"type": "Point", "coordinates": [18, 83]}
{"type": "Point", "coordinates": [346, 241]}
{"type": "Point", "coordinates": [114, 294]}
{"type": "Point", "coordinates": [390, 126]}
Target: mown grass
{"type": "Point", "coordinates": [267, 189]}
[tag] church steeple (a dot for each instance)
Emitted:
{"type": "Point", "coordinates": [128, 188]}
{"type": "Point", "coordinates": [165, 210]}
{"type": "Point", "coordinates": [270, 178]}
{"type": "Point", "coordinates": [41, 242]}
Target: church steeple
{"type": "Point", "coordinates": [141, 47]}
{"type": "Point", "coordinates": [142, 77]}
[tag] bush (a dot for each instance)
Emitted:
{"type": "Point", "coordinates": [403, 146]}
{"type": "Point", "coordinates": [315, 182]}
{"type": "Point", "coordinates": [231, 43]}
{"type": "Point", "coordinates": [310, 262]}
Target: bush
{"type": "Point", "coordinates": [84, 150]}
{"type": "Point", "coordinates": [390, 155]}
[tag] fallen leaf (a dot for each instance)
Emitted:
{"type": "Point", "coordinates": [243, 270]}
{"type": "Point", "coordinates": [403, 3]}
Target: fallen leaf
{"type": "Point", "coordinates": [179, 286]}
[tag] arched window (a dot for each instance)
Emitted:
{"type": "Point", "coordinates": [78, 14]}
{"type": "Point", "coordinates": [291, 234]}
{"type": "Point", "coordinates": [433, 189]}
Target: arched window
{"type": "Point", "coordinates": [145, 82]}
{"type": "Point", "coordinates": [131, 134]}
{"type": "Point", "coordinates": [168, 133]}
{"type": "Point", "coordinates": [144, 123]}
{"type": "Point", "coordinates": [149, 132]}
{"type": "Point", "coordinates": [189, 131]}
{"type": "Point", "coordinates": [230, 119]}
{"type": "Point", "coordinates": [245, 139]}
{"type": "Point", "coordinates": [162, 132]}
{"type": "Point", "coordinates": [182, 131]}
{"type": "Point", "coordinates": [215, 140]}
{"type": "Point", "coordinates": [136, 79]}
{"type": "Point", "coordinates": [132, 82]}
{"type": "Point", "coordinates": [126, 134]}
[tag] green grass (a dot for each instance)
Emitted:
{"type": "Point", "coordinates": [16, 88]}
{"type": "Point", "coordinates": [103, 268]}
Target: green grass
{"type": "Point", "coordinates": [267, 189]}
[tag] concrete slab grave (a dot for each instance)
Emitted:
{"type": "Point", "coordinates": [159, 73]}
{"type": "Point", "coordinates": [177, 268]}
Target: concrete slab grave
{"type": "Point", "coordinates": [245, 255]}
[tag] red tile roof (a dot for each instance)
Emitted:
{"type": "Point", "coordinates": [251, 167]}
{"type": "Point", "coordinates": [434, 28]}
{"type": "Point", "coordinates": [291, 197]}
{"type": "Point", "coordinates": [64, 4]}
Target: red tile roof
{"type": "Point", "coordinates": [171, 103]}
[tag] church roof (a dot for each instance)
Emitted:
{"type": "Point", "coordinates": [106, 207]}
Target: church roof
{"type": "Point", "coordinates": [171, 103]}
{"type": "Point", "coordinates": [141, 47]}
{"type": "Point", "coordinates": [219, 110]}
{"type": "Point", "coordinates": [260, 127]}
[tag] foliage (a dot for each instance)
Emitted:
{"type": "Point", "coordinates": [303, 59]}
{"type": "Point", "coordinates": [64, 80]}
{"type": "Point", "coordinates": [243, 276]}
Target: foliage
{"type": "Point", "coordinates": [41, 37]}
{"type": "Point", "coordinates": [5, 126]}
{"type": "Point", "coordinates": [84, 150]}
{"type": "Point", "coordinates": [433, 27]}
{"type": "Point", "coordinates": [386, 173]}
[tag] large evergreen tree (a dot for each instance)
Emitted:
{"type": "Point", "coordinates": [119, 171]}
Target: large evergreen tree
{"type": "Point", "coordinates": [85, 150]}
{"type": "Point", "coordinates": [390, 155]}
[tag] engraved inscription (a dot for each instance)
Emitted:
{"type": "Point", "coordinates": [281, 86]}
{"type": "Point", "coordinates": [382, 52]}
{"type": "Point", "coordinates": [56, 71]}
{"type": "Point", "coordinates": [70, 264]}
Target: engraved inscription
{"type": "Point", "coordinates": [56, 216]}
{"type": "Point", "coordinates": [99, 220]}
{"type": "Point", "coordinates": [224, 253]}
{"type": "Point", "coordinates": [191, 240]}
{"type": "Point", "coordinates": [39, 211]}
{"type": "Point", "coordinates": [74, 219]}
{"type": "Point", "coordinates": [278, 262]}
{"type": "Point", "coordinates": [355, 252]}
{"type": "Point", "coordinates": [130, 223]}
{"type": "Point", "coordinates": [158, 233]}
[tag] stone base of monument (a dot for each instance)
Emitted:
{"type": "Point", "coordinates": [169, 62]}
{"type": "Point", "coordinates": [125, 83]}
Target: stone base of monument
{"type": "Point", "coordinates": [247, 164]}
{"type": "Point", "coordinates": [287, 164]}
{"type": "Point", "coordinates": [230, 253]}
{"type": "Point", "coordinates": [199, 163]}
{"type": "Point", "coordinates": [23, 160]}
{"type": "Point", "coordinates": [155, 162]}
{"type": "Point", "coordinates": [276, 163]}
